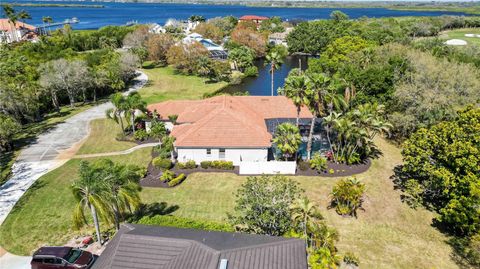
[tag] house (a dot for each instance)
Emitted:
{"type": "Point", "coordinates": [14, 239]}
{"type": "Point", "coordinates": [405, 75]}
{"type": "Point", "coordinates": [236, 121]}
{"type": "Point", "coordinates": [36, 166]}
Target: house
{"type": "Point", "coordinates": [256, 19]}
{"type": "Point", "coordinates": [231, 128]}
{"type": "Point", "coordinates": [155, 247]}
{"type": "Point", "coordinates": [279, 38]}
{"type": "Point", "coordinates": [216, 51]}
{"type": "Point", "coordinates": [19, 31]}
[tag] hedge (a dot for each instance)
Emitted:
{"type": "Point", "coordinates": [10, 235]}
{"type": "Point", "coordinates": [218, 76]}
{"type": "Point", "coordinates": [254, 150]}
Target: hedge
{"type": "Point", "coordinates": [225, 165]}
{"type": "Point", "coordinates": [177, 180]}
{"type": "Point", "coordinates": [187, 165]}
{"type": "Point", "coordinates": [162, 163]}
{"type": "Point", "coordinates": [180, 222]}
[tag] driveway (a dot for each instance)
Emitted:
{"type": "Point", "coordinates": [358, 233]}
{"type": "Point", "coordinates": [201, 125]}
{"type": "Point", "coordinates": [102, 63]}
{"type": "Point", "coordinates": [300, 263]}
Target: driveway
{"type": "Point", "coordinates": [51, 150]}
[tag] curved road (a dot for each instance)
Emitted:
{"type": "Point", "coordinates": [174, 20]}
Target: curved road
{"type": "Point", "coordinates": [45, 154]}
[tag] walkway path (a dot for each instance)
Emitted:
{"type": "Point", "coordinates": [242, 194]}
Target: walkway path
{"type": "Point", "coordinates": [114, 153]}
{"type": "Point", "coordinates": [48, 152]}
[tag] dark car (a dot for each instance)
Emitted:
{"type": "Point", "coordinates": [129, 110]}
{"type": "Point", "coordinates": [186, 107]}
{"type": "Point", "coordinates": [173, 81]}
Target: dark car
{"type": "Point", "coordinates": [62, 257]}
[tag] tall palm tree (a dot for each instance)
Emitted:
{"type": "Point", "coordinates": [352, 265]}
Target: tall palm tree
{"type": "Point", "coordinates": [305, 214]}
{"type": "Point", "coordinates": [275, 59]}
{"type": "Point", "coordinates": [134, 103]}
{"type": "Point", "coordinates": [296, 89]}
{"type": "Point", "coordinates": [24, 15]}
{"type": "Point", "coordinates": [288, 139]}
{"type": "Point", "coordinates": [47, 20]}
{"type": "Point", "coordinates": [119, 108]}
{"type": "Point", "coordinates": [12, 16]}
{"type": "Point", "coordinates": [91, 194]}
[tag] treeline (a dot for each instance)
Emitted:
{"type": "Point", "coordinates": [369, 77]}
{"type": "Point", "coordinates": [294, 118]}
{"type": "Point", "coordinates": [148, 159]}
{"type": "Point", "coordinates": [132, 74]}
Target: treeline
{"type": "Point", "coordinates": [64, 68]}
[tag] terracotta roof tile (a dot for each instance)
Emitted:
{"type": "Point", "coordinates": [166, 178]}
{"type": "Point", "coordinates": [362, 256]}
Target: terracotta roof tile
{"type": "Point", "coordinates": [227, 121]}
{"type": "Point", "coordinates": [253, 17]}
{"type": "Point", "coordinates": [5, 25]}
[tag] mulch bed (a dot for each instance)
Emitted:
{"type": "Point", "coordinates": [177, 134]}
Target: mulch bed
{"type": "Point", "coordinates": [129, 138]}
{"type": "Point", "coordinates": [340, 170]}
{"type": "Point", "coordinates": [152, 179]}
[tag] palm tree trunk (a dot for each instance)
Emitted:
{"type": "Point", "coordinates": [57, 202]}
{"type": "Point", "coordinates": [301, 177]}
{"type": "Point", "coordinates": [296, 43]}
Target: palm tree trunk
{"type": "Point", "coordinates": [116, 216]}
{"type": "Point", "coordinates": [310, 137]}
{"type": "Point", "coordinates": [96, 223]}
{"type": "Point", "coordinates": [121, 123]}
{"type": "Point", "coordinates": [272, 79]}
{"type": "Point", "coordinates": [133, 121]}
{"type": "Point", "coordinates": [298, 116]}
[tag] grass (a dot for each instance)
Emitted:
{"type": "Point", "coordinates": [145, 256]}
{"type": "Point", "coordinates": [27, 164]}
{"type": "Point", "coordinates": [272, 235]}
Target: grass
{"type": "Point", "coordinates": [30, 131]}
{"type": "Point", "coordinates": [102, 138]}
{"type": "Point", "coordinates": [43, 216]}
{"type": "Point", "coordinates": [460, 34]}
{"type": "Point", "coordinates": [165, 84]}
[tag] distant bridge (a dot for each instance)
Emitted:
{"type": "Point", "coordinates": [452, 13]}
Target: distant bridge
{"type": "Point", "coordinates": [42, 29]}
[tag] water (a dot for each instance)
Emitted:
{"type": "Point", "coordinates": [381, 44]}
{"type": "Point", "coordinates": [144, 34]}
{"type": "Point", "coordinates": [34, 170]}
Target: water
{"type": "Point", "coordinates": [120, 13]}
{"type": "Point", "coordinates": [261, 85]}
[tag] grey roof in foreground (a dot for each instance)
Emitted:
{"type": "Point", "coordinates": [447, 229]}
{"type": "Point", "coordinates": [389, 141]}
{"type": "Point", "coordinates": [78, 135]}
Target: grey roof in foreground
{"type": "Point", "coordinates": [148, 247]}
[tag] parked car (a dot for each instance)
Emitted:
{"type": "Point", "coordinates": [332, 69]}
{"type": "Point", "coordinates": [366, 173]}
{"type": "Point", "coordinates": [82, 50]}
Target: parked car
{"type": "Point", "coordinates": [62, 257]}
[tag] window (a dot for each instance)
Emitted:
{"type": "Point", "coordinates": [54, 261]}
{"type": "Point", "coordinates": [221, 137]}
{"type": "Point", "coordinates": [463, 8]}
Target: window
{"type": "Point", "coordinates": [221, 153]}
{"type": "Point", "coordinates": [209, 152]}
{"type": "Point", "coordinates": [49, 260]}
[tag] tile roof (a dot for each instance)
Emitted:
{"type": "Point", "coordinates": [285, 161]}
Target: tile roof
{"type": "Point", "coordinates": [253, 17]}
{"type": "Point", "coordinates": [227, 121]}
{"type": "Point", "coordinates": [148, 247]}
{"type": "Point", "coordinates": [5, 25]}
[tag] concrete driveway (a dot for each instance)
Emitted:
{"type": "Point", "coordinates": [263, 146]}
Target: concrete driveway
{"type": "Point", "coordinates": [51, 150]}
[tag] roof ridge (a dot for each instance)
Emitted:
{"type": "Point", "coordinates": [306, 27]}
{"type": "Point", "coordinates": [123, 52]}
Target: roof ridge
{"type": "Point", "coordinates": [279, 242]}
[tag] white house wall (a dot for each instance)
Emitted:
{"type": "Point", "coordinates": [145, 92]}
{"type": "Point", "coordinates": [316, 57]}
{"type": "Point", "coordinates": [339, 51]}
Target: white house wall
{"type": "Point", "coordinates": [234, 155]}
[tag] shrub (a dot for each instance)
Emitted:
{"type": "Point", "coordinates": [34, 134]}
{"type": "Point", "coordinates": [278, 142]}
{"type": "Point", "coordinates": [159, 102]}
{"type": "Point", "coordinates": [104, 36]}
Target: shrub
{"type": "Point", "coordinates": [348, 196]}
{"type": "Point", "coordinates": [318, 162]}
{"type": "Point", "coordinates": [206, 164]}
{"type": "Point", "coordinates": [331, 171]}
{"type": "Point", "coordinates": [148, 65]}
{"type": "Point", "coordinates": [351, 259]}
{"type": "Point", "coordinates": [187, 165]}
{"type": "Point", "coordinates": [162, 163]}
{"type": "Point", "coordinates": [251, 71]}
{"type": "Point", "coordinates": [174, 221]}
{"type": "Point", "coordinates": [167, 176]}
{"type": "Point", "coordinates": [303, 165]}
{"type": "Point", "coordinates": [179, 179]}
{"type": "Point", "coordinates": [225, 165]}
{"type": "Point", "coordinates": [140, 135]}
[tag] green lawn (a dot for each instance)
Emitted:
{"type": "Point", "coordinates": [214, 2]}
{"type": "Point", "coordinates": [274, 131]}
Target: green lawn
{"type": "Point", "coordinates": [43, 216]}
{"type": "Point", "coordinates": [165, 84]}
{"type": "Point", "coordinates": [30, 131]}
{"type": "Point", "coordinates": [102, 138]}
{"type": "Point", "coordinates": [460, 34]}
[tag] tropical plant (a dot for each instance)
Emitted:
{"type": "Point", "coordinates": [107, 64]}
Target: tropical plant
{"type": "Point", "coordinates": [158, 130]}
{"type": "Point", "coordinates": [275, 59]}
{"type": "Point", "coordinates": [296, 89]}
{"type": "Point", "coordinates": [91, 193]}
{"type": "Point", "coordinates": [318, 162]}
{"type": "Point", "coordinates": [305, 215]}
{"type": "Point", "coordinates": [167, 176]}
{"type": "Point", "coordinates": [173, 118]}
{"type": "Point", "coordinates": [347, 196]}
{"type": "Point", "coordinates": [263, 205]}
{"type": "Point", "coordinates": [242, 57]}
{"type": "Point", "coordinates": [119, 109]}
{"type": "Point", "coordinates": [287, 139]}
{"type": "Point", "coordinates": [133, 103]}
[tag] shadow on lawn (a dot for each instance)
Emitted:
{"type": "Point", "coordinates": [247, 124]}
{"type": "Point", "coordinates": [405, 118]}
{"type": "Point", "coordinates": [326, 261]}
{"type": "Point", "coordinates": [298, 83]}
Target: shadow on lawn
{"type": "Point", "coordinates": [150, 210]}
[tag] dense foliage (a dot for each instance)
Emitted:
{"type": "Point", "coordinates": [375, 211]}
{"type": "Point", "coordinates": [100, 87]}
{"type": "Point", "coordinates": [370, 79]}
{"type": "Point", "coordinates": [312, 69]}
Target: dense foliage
{"type": "Point", "coordinates": [441, 170]}
{"type": "Point", "coordinates": [347, 196]}
{"type": "Point", "coordinates": [179, 222]}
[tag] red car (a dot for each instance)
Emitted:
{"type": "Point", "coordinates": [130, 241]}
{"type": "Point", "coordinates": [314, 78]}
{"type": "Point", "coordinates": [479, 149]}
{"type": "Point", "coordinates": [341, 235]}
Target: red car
{"type": "Point", "coordinates": [62, 257]}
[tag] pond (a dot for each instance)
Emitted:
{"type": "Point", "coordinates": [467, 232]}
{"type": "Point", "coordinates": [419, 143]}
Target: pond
{"type": "Point", "coordinates": [261, 85]}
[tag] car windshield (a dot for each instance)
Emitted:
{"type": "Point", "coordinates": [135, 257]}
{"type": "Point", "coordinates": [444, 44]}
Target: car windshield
{"type": "Point", "coordinates": [73, 255]}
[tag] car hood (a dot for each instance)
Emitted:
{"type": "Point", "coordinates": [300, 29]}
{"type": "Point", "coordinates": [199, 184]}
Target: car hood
{"type": "Point", "coordinates": [84, 259]}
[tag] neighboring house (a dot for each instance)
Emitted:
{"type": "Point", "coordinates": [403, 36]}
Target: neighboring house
{"type": "Point", "coordinates": [18, 32]}
{"type": "Point", "coordinates": [156, 247]}
{"type": "Point", "coordinates": [279, 38]}
{"type": "Point", "coordinates": [216, 51]}
{"type": "Point", "coordinates": [232, 128]}
{"type": "Point", "coordinates": [156, 28]}
{"type": "Point", "coordinates": [256, 19]}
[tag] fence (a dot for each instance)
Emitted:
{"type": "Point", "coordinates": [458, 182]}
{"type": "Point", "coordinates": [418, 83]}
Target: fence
{"type": "Point", "coordinates": [268, 168]}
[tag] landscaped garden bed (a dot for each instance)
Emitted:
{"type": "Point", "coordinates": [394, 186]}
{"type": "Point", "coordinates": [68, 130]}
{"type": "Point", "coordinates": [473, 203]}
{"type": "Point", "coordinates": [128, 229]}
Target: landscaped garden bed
{"type": "Point", "coordinates": [333, 169]}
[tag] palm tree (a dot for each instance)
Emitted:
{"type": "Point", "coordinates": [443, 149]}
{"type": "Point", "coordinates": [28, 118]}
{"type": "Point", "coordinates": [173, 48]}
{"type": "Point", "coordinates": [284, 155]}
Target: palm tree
{"type": "Point", "coordinates": [296, 89]}
{"type": "Point", "coordinates": [275, 59]}
{"type": "Point", "coordinates": [24, 15]}
{"type": "Point", "coordinates": [47, 20]}
{"type": "Point", "coordinates": [288, 139]}
{"type": "Point", "coordinates": [116, 113]}
{"type": "Point", "coordinates": [134, 103]}
{"type": "Point", "coordinates": [12, 16]}
{"type": "Point", "coordinates": [305, 214]}
{"type": "Point", "coordinates": [91, 194]}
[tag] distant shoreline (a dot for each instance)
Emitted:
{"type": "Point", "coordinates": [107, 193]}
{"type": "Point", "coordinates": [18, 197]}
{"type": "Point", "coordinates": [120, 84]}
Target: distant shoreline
{"type": "Point", "coordinates": [55, 5]}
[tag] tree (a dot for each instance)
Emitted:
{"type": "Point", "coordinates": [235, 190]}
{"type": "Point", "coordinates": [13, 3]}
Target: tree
{"type": "Point", "coordinates": [210, 31]}
{"type": "Point", "coordinates": [441, 171]}
{"type": "Point", "coordinates": [242, 57]}
{"type": "Point", "coordinates": [250, 38]}
{"type": "Point", "coordinates": [195, 18]}
{"type": "Point", "coordinates": [272, 25]}
{"type": "Point", "coordinates": [347, 196]}
{"type": "Point", "coordinates": [91, 193]}
{"type": "Point", "coordinates": [337, 16]}
{"type": "Point", "coordinates": [158, 130]}
{"type": "Point", "coordinates": [305, 215]}
{"type": "Point", "coordinates": [24, 15]}
{"type": "Point", "coordinates": [48, 20]}
{"type": "Point", "coordinates": [133, 103]}
{"type": "Point", "coordinates": [181, 56]}
{"type": "Point", "coordinates": [275, 59]}
{"type": "Point", "coordinates": [12, 16]}
{"type": "Point", "coordinates": [120, 106]}
{"type": "Point", "coordinates": [8, 128]}
{"type": "Point", "coordinates": [296, 89]}
{"type": "Point", "coordinates": [137, 38]}
{"type": "Point", "coordinates": [158, 46]}
{"type": "Point", "coordinates": [263, 205]}
{"type": "Point", "coordinates": [287, 139]}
